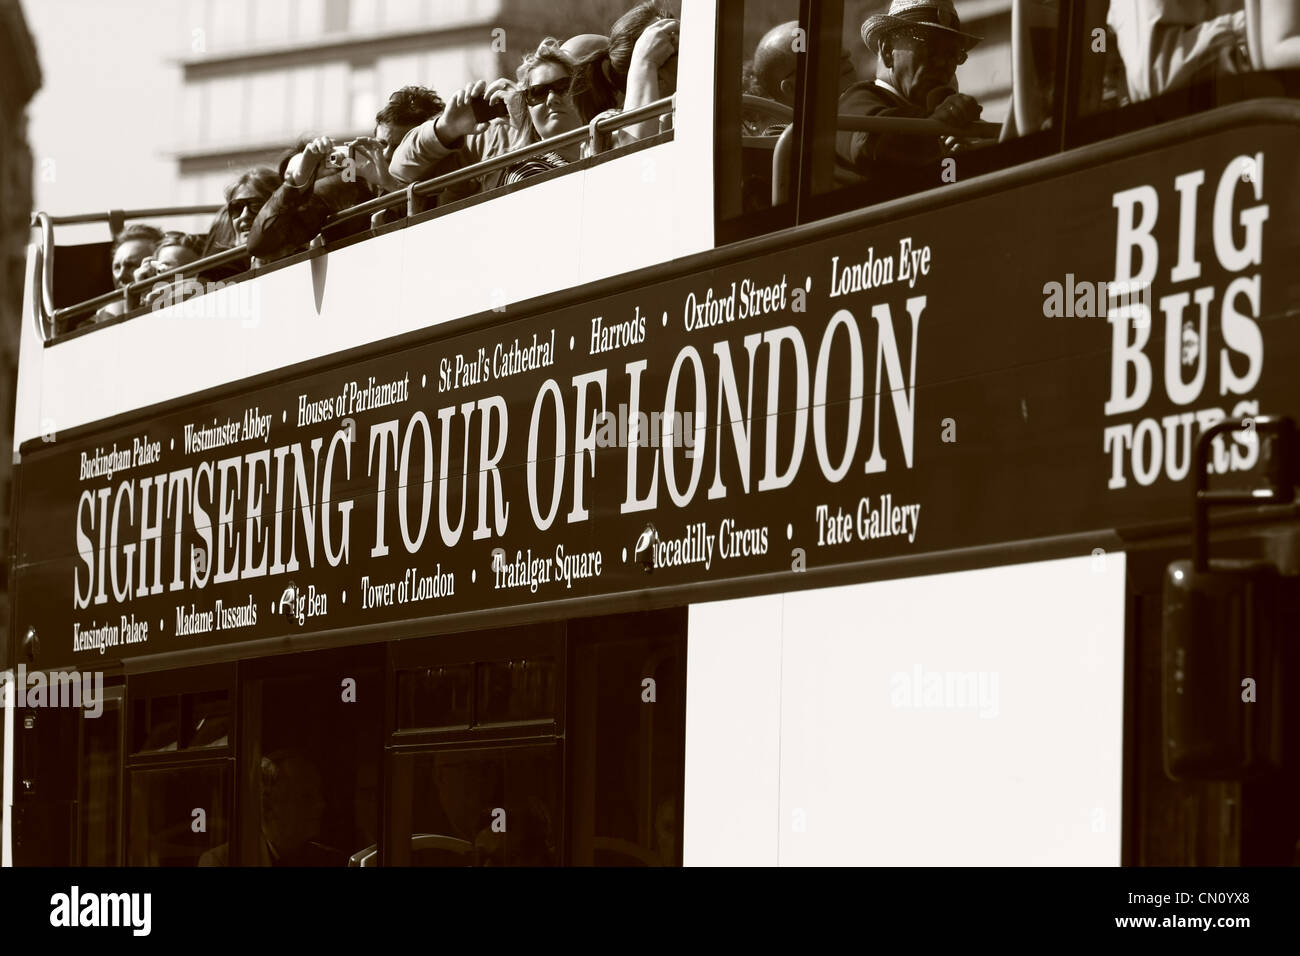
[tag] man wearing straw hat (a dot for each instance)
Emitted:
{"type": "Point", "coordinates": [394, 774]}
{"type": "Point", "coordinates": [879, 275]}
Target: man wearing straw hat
{"type": "Point", "coordinates": [919, 45]}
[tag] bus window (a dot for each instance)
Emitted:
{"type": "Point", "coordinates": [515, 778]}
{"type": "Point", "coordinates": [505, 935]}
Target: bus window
{"type": "Point", "coordinates": [888, 101]}
{"type": "Point", "coordinates": [760, 55]}
{"type": "Point", "coordinates": [178, 772]}
{"type": "Point", "coordinates": [166, 828]}
{"type": "Point", "coordinates": [974, 85]}
{"type": "Point", "coordinates": [489, 807]}
{"type": "Point", "coordinates": [772, 39]}
{"type": "Point", "coordinates": [1144, 62]}
{"type": "Point", "coordinates": [311, 751]}
{"type": "Point", "coordinates": [628, 740]}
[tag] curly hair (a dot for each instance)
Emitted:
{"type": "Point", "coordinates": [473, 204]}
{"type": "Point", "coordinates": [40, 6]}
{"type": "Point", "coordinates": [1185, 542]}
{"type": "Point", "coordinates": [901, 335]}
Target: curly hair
{"type": "Point", "coordinates": [548, 51]}
{"type": "Point", "coordinates": [410, 106]}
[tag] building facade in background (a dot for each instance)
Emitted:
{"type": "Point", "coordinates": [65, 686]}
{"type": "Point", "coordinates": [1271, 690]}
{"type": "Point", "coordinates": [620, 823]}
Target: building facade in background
{"type": "Point", "coordinates": [258, 75]}
{"type": "Point", "coordinates": [20, 78]}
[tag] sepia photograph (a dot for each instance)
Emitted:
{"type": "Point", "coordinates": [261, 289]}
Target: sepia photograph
{"type": "Point", "coordinates": [496, 433]}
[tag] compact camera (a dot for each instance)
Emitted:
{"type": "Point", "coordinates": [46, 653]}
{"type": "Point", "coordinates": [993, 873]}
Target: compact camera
{"type": "Point", "coordinates": [485, 112]}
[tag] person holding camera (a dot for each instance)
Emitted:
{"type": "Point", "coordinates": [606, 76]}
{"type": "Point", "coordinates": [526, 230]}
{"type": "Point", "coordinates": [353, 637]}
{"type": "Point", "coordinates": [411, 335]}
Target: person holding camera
{"type": "Point", "coordinates": [322, 178]}
{"type": "Point", "coordinates": [482, 121]}
{"type": "Point", "coordinates": [486, 120]}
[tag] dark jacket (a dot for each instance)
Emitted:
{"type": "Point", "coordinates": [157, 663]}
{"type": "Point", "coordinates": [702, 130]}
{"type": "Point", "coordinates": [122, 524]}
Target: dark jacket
{"type": "Point", "coordinates": [895, 163]}
{"type": "Point", "coordinates": [295, 215]}
{"type": "Point", "coordinates": [423, 155]}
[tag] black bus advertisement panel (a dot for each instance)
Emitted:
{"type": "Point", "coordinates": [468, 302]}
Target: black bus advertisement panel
{"type": "Point", "coordinates": [1028, 363]}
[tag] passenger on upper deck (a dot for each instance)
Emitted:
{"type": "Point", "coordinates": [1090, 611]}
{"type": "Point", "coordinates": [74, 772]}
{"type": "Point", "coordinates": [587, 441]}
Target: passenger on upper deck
{"type": "Point", "coordinates": [1171, 43]}
{"type": "Point", "coordinates": [456, 138]}
{"type": "Point", "coordinates": [920, 45]}
{"type": "Point", "coordinates": [771, 74]}
{"type": "Point", "coordinates": [1274, 30]}
{"type": "Point", "coordinates": [245, 198]}
{"type": "Point", "coordinates": [173, 250]}
{"type": "Point", "coordinates": [546, 78]}
{"type": "Point", "coordinates": [130, 247]}
{"type": "Point", "coordinates": [323, 179]}
{"type": "Point", "coordinates": [585, 45]}
{"type": "Point", "coordinates": [775, 64]}
{"type": "Point", "coordinates": [540, 106]}
{"type": "Point", "coordinates": [639, 67]}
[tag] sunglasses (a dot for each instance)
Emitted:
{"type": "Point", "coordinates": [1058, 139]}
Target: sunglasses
{"type": "Point", "coordinates": [235, 208]}
{"type": "Point", "coordinates": [933, 48]}
{"type": "Point", "coordinates": [537, 95]}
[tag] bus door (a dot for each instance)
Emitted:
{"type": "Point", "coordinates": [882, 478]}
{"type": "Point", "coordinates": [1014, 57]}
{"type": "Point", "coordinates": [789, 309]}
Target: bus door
{"type": "Point", "coordinates": [1247, 819]}
{"type": "Point", "coordinates": [311, 737]}
{"type": "Point", "coordinates": [475, 754]}
{"type": "Point", "coordinates": [542, 745]}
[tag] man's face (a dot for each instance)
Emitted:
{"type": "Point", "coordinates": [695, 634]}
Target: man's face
{"type": "Point", "coordinates": [921, 62]}
{"type": "Point", "coordinates": [390, 137]}
{"type": "Point", "coordinates": [127, 259]}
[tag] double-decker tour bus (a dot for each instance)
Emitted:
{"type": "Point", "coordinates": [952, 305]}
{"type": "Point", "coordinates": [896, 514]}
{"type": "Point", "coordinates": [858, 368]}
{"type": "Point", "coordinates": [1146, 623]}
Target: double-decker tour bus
{"type": "Point", "coordinates": [579, 521]}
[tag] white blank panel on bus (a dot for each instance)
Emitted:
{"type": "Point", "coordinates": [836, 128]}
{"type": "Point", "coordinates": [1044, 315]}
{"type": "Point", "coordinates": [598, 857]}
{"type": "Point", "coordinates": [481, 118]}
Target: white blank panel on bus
{"type": "Point", "coordinates": [971, 718]}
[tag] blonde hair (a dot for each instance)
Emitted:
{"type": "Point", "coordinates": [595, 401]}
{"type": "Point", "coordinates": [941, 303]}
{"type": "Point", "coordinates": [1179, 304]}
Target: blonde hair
{"type": "Point", "coordinates": [548, 51]}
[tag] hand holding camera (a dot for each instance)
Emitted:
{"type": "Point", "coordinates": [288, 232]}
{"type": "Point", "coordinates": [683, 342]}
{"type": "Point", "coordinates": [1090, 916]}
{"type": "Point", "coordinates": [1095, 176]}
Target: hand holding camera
{"type": "Point", "coordinates": [371, 157]}
{"type": "Point", "coordinates": [319, 150]}
{"type": "Point", "coordinates": [474, 107]}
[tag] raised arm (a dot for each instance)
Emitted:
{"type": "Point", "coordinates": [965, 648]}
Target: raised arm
{"type": "Point", "coordinates": [655, 47]}
{"type": "Point", "coordinates": [1161, 52]}
{"type": "Point", "coordinates": [1274, 29]}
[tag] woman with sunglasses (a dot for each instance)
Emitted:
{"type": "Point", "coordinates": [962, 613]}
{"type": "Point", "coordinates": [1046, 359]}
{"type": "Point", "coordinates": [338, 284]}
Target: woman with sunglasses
{"type": "Point", "coordinates": [537, 107]}
{"type": "Point", "coordinates": [232, 224]}
{"type": "Point", "coordinates": [545, 82]}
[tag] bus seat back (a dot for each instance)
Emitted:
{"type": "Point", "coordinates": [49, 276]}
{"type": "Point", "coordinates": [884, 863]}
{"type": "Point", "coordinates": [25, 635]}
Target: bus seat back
{"type": "Point", "coordinates": [82, 272]}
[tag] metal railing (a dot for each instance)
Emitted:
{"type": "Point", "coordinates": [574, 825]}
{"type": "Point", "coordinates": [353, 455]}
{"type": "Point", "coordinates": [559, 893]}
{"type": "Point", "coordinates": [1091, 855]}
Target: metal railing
{"type": "Point", "coordinates": [115, 218]}
{"type": "Point", "coordinates": [597, 136]}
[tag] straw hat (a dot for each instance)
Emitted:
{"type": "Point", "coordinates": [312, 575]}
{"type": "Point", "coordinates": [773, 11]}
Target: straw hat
{"type": "Point", "coordinates": [929, 14]}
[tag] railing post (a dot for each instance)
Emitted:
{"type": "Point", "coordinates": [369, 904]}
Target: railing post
{"type": "Point", "coordinates": [666, 120]}
{"type": "Point", "coordinates": [597, 139]}
{"type": "Point", "coordinates": [410, 200]}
